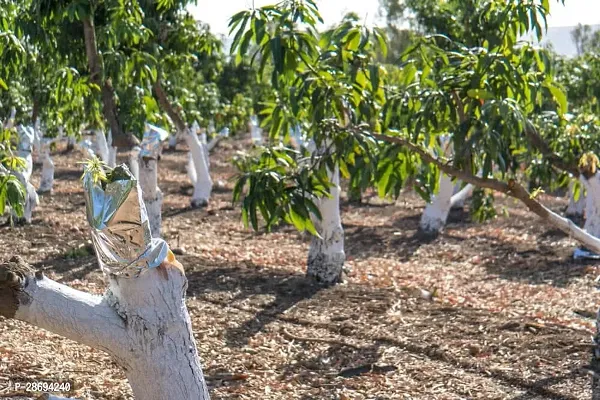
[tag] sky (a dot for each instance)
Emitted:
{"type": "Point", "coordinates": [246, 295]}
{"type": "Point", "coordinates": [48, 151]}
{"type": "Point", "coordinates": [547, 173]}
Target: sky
{"type": "Point", "coordinates": [217, 12]}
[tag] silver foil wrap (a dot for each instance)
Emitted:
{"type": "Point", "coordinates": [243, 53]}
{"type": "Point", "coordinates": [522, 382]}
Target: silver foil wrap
{"type": "Point", "coordinates": [120, 227]}
{"type": "Point", "coordinates": [151, 142]}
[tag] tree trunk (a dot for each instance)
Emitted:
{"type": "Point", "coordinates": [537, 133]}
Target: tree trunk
{"type": "Point", "coordinates": [592, 205]}
{"type": "Point", "coordinates": [109, 107]}
{"type": "Point", "coordinates": [47, 181]}
{"type": "Point", "coordinates": [141, 322]}
{"type": "Point", "coordinates": [460, 195]}
{"type": "Point", "coordinates": [326, 254]}
{"type": "Point", "coordinates": [202, 183]}
{"type": "Point", "coordinates": [435, 214]}
{"type": "Point", "coordinates": [134, 162]}
{"type": "Point", "coordinates": [151, 194]}
{"type": "Point", "coordinates": [595, 363]}
{"type": "Point", "coordinates": [102, 146]}
{"type": "Point", "coordinates": [576, 208]}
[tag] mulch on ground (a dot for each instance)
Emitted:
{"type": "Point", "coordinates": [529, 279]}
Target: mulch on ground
{"type": "Point", "coordinates": [485, 311]}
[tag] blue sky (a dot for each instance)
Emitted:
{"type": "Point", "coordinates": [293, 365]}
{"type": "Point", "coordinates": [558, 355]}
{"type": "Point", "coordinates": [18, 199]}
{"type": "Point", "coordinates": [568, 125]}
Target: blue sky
{"type": "Point", "coordinates": [217, 13]}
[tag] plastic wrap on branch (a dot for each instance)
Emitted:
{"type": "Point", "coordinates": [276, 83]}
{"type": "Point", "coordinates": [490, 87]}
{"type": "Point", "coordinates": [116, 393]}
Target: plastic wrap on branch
{"type": "Point", "coordinates": [152, 141]}
{"type": "Point", "coordinates": [120, 226]}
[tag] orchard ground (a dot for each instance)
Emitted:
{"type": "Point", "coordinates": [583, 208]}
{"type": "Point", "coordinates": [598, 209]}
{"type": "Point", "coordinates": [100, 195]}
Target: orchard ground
{"type": "Point", "coordinates": [486, 311]}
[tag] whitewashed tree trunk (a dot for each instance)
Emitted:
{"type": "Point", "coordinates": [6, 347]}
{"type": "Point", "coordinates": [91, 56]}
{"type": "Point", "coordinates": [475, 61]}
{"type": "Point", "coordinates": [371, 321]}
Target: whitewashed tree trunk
{"type": "Point", "coordinates": [134, 162]}
{"type": "Point", "coordinates": [142, 322]}
{"type": "Point", "coordinates": [435, 214]}
{"type": "Point", "coordinates": [112, 157]}
{"type": "Point", "coordinates": [37, 141]}
{"type": "Point", "coordinates": [576, 208]}
{"type": "Point", "coordinates": [326, 255]}
{"type": "Point", "coordinates": [592, 205]}
{"type": "Point", "coordinates": [203, 183]}
{"type": "Point", "coordinates": [102, 146]}
{"type": "Point", "coordinates": [47, 180]}
{"type": "Point", "coordinates": [461, 195]}
{"type": "Point", "coordinates": [151, 194]}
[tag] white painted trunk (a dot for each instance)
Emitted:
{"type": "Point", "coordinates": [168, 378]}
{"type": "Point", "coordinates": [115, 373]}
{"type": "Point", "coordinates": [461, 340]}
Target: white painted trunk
{"type": "Point", "coordinates": [203, 183]}
{"type": "Point", "coordinates": [326, 254]}
{"type": "Point", "coordinates": [461, 195]}
{"type": "Point", "coordinates": [592, 205]}
{"type": "Point", "coordinates": [134, 162]}
{"type": "Point", "coordinates": [47, 181]}
{"type": "Point", "coordinates": [576, 208]}
{"type": "Point", "coordinates": [112, 157]}
{"type": "Point", "coordinates": [435, 214]}
{"type": "Point", "coordinates": [213, 143]}
{"type": "Point", "coordinates": [101, 146]}
{"type": "Point", "coordinates": [142, 322]}
{"type": "Point", "coordinates": [37, 142]}
{"type": "Point", "coordinates": [151, 194]}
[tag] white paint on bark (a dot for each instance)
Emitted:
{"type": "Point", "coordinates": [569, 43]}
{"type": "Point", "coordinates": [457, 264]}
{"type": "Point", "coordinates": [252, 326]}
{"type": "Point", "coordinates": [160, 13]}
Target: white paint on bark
{"type": "Point", "coordinates": [202, 183]}
{"type": "Point", "coordinates": [436, 213]}
{"type": "Point", "coordinates": [592, 205]}
{"type": "Point", "coordinates": [576, 208]}
{"type": "Point", "coordinates": [101, 146]}
{"type": "Point", "coordinates": [461, 195]}
{"type": "Point", "coordinates": [112, 157]}
{"type": "Point", "coordinates": [326, 255]}
{"type": "Point", "coordinates": [47, 180]}
{"type": "Point", "coordinates": [143, 323]}
{"type": "Point", "coordinates": [134, 162]}
{"type": "Point", "coordinates": [151, 194]}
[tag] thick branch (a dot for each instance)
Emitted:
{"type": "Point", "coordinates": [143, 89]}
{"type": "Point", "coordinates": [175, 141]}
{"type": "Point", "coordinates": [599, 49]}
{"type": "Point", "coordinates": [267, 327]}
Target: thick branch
{"type": "Point", "coordinates": [165, 104]}
{"type": "Point", "coordinates": [80, 316]}
{"type": "Point", "coordinates": [512, 188]}
{"type": "Point", "coordinates": [109, 107]}
{"type": "Point", "coordinates": [210, 146]}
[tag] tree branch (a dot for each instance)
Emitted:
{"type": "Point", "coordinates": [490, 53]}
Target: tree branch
{"type": "Point", "coordinates": [165, 104]}
{"type": "Point", "coordinates": [42, 302]}
{"type": "Point", "coordinates": [512, 188]}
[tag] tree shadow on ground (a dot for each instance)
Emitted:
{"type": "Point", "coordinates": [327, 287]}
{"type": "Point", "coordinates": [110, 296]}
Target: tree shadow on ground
{"type": "Point", "coordinates": [70, 267]}
{"type": "Point", "coordinates": [362, 242]}
{"type": "Point", "coordinates": [274, 291]}
{"type": "Point", "coordinates": [537, 263]}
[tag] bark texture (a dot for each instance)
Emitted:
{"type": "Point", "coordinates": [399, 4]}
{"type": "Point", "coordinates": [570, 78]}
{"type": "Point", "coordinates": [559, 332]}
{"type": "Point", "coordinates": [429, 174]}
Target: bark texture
{"type": "Point", "coordinates": [151, 194]}
{"type": "Point", "coordinates": [142, 322]}
{"type": "Point", "coordinates": [326, 255]}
